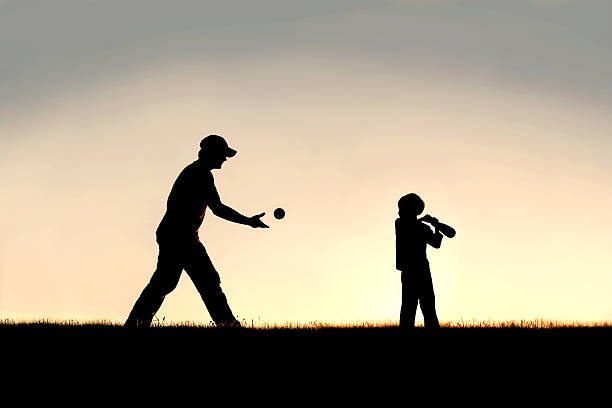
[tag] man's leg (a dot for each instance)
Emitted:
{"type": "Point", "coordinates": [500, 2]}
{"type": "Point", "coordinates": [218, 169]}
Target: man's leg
{"type": "Point", "coordinates": [206, 279]}
{"type": "Point", "coordinates": [164, 280]}
{"type": "Point", "coordinates": [409, 301]}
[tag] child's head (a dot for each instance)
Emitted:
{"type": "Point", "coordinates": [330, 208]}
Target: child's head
{"type": "Point", "coordinates": [410, 205]}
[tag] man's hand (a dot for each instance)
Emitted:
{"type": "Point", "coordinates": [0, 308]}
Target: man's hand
{"type": "Point", "coordinates": [228, 213]}
{"type": "Point", "coordinates": [256, 222]}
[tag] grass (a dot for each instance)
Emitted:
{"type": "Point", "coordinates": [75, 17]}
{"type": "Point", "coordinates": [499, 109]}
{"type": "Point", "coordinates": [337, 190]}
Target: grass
{"type": "Point", "coordinates": [464, 352]}
{"type": "Point", "coordinates": [464, 336]}
{"type": "Point", "coordinates": [317, 325]}
{"type": "Point", "coordinates": [302, 340]}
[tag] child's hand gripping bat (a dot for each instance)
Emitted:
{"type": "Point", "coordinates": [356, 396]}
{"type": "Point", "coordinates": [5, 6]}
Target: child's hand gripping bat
{"type": "Point", "coordinates": [445, 229]}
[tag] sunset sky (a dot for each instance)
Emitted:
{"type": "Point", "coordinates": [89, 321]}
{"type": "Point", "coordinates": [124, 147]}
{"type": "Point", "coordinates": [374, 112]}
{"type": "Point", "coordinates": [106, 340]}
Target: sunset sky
{"type": "Point", "coordinates": [497, 113]}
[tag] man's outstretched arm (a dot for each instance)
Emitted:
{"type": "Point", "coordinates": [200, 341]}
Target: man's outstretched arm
{"type": "Point", "coordinates": [227, 213]}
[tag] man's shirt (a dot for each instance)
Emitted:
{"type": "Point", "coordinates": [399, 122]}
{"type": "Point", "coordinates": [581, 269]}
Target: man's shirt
{"type": "Point", "coordinates": [411, 239]}
{"type": "Point", "coordinates": [192, 192]}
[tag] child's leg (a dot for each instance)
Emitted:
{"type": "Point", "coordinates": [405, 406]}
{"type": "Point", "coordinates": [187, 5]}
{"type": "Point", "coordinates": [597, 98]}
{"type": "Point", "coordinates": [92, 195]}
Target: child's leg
{"type": "Point", "coordinates": [427, 299]}
{"type": "Point", "coordinates": [428, 307]}
{"type": "Point", "coordinates": [409, 301]}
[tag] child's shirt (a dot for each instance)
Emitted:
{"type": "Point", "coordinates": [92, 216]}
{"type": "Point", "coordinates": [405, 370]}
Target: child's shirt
{"type": "Point", "coordinates": [411, 239]}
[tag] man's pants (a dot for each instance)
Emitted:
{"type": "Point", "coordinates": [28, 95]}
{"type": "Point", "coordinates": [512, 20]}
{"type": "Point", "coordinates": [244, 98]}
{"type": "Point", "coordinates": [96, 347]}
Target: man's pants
{"type": "Point", "coordinates": [174, 256]}
{"type": "Point", "coordinates": [417, 287]}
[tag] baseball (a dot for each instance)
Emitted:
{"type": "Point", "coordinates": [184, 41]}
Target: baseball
{"type": "Point", "coordinates": [279, 213]}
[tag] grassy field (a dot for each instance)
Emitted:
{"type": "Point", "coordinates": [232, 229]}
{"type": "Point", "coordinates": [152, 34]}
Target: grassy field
{"type": "Point", "coordinates": [540, 324]}
{"type": "Point", "coordinates": [474, 341]}
{"type": "Point", "coordinates": [477, 336]}
{"type": "Point", "coordinates": [464, 343]}
{"type": "Point", "coordinates": [499, 357]}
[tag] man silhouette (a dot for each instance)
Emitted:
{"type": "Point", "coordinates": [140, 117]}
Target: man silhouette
{"type": "Point", "coordinates": [412, 237]}
{"type": "Point", "coordinates": [179, 244]}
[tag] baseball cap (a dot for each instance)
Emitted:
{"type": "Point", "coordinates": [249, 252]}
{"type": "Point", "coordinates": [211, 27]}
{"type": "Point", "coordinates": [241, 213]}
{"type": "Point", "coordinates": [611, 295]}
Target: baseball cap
{"type": "Point", "coordinates": [218, 144]}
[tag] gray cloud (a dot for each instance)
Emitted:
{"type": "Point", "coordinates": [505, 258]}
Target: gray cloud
{"type": "Point", "coordinates": [50, 47]}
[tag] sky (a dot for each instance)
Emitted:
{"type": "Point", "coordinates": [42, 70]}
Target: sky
{"type": "Point", "coordinates": [498, 114]}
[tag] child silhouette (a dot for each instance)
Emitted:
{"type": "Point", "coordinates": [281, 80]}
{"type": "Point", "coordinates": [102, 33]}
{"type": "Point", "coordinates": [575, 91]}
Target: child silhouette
{"type": "Point", "coordinates": [412, 236]}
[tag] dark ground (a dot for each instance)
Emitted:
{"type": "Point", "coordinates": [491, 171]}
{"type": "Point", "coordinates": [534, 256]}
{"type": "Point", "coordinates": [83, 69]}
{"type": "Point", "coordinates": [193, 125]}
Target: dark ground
{"type": "Point", "coordinates": [503, 362]}
{"type": "Point", "coordinates": [50, 340]}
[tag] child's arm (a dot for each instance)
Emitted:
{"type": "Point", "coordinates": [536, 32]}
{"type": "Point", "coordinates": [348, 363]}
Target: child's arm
{"type": "Point", "coordinates": [435, 239]}
{"type": "Point", "coordinates": [400, 255]}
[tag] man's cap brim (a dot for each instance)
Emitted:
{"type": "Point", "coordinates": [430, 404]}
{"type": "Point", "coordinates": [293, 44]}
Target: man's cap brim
{"type": "Point", "coordinates": [229, 152]}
